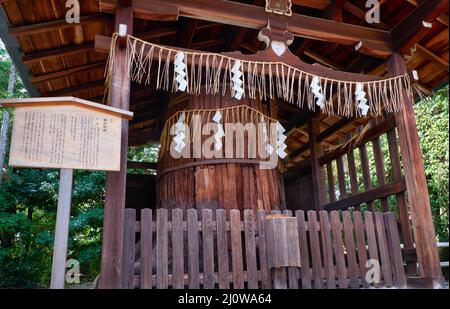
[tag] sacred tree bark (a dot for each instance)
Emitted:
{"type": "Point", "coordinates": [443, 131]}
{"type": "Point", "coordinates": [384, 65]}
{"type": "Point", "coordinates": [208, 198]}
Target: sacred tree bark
{"type": "Point", "coordinates": [228, 180]}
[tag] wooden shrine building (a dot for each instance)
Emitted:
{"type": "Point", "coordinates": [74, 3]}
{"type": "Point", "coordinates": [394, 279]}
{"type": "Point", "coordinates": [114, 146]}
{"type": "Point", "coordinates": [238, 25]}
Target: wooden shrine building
{"type": "Point", "coordinates": [330, 81]}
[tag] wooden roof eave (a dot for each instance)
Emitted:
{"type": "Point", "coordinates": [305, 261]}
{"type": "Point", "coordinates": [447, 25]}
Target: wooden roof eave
{"type": "Point", "coordinates": [14, 50]}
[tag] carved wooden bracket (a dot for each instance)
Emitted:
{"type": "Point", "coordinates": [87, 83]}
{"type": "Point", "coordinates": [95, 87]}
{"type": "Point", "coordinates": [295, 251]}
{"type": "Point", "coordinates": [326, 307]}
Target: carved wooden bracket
{"type": "Point", "coordinates": [281, 7]}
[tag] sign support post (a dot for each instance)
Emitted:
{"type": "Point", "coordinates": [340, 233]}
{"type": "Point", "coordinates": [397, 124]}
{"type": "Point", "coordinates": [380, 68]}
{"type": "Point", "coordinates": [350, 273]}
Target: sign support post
{"type": "Point", "coordinates": [62, 229]}
{"type": "Point", "coordinates": [65, 133]}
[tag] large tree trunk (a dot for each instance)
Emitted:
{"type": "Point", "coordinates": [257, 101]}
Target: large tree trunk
{"type": "Point", "coordinates": [217, 185]}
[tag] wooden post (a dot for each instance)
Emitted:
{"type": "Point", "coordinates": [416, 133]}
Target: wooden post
{"type": "Point", "coordinates": [113, 221]}
{"type": "Point", "coordinates": [282, 247]}
{"type": "Point", "coordinates": [3, 142]}
{"type": "Point", "coordinates": [316, 169]}
{"type": "Point", "coordinates": [416, 185]}
{"type": "Point", "coordinates": [62, 229]}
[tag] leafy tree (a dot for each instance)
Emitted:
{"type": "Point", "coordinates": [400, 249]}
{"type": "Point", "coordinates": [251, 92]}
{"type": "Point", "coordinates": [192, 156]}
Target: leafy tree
{"type": "Point", "coordinates": [433, 126]}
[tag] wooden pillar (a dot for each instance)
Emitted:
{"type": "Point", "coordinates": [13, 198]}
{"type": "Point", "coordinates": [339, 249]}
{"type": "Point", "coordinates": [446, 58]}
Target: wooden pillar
{"type": "Point", "coordinates": [416, 185]}
{"type": "Point", "coordinates": [318, 180]}
{"type": "Point", "coordinates": [62, 229]}
{"type": "Point", "coordinates": [113, 222]}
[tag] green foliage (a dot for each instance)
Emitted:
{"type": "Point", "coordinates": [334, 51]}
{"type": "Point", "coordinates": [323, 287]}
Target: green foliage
{"type": "Point", "coordinates": [5, 65]}
{"type": "Point", "coordinates": [28, 199]}
{"type": "Point", "coordinates": [433, 126]}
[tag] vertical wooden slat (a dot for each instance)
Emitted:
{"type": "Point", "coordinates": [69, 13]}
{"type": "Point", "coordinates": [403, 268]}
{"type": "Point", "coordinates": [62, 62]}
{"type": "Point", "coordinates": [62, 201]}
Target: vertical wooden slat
{"type": "Point", "coordinates": [350, 248]}
{"type": "Point", "coordinates": [327, 249]}
{"type": "Point", "coordinates": [315, 249]}
{"type": "Point", "coordinates": [305, 272]}
{"type": "Point", "coordinates": [292, 271]}
{"type": "Point", "coordinates": [401, 199]}
{"type": "Point", "coordinates": [341, 177]}
{"type": "Point", "coordinates": [236, 249]}
{"type": "Point", "coordinates": [353, 175]}
{"type": "Point", "coordinates": [339, 250]}
{"type": "Point", "coordinates": [379, 166]}
{"type": "Point", "coordinates": [395, 251]}
{"type": "Point", "coordinates": [330, 177]}
{"type": "Point", "coordinates": [161, 249]}
{"type": "Point", "coordinates": [129, 241]}
{"type": "Point", "coordinates": [264, 267]}
{"type": "Point", "coordinates": [318, 180]}
{"type": "Point", "coordinates": [222, 249]}
{"type": "Point", "coordinates": [382, 245]}
{"type": "Point", "coordinates": [193, 249]}
{"type": "Point", "coordinates": [177, 249]}
{"type": "Point", "coordinates": [250, 249]}
{"type": "Point", "coordinates": [208, 249]}
{"type": "Point", "coordinates": [361, 244]}
{"type": "Point", "coordinates": [366, 174]}
{"type": "Point", "coordinates": [371, 237]}
{"type": "Point", "coordinates": [279, 278]}
{"type": "Point", "coordinates": [146, 249]}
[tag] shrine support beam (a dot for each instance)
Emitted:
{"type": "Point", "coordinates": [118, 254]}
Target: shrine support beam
{"type": "Point", "coordinates": [416, 184]}
{"type": "Point", "coordinates": [319, 192]}
{"type": "Point", "coordinates": [113, 224]}
{"type": "Point", "coordinates": [255, 17]}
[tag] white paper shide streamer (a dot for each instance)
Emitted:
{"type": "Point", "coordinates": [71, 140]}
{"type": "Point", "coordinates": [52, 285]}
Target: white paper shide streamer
{"type": "Point", "coordinates": [238, 87]}
{"type": "Point", "coordinates": [267, 145]}
{"type": "Point", "coordinates": [180, 71]}
{"type": "Point", "coordinates": [317, 91]}
{"type": "Point", "coordinates": [220, 132]}
{"type": "Point", "coordinates": [197, 72]}
{"type": "Point", "coordinates": [281, 146]}
{"type": "Point", "coordinates": [361, 99]}
{"type": "Point", "coordinates": [180, 134]}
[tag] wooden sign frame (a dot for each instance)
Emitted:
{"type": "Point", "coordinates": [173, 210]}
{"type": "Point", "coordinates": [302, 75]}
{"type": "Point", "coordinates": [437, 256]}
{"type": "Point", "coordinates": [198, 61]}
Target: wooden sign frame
{"type": "Point", "coordinates": [65, 132]}
{"type": "Point", "coordinates": [60, 120]}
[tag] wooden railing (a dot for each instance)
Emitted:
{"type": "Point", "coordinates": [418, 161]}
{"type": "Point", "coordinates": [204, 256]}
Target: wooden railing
{"type": "Point", "coordinates": [220, 250]}
{"type": "Point", "coordinates": [351, 185]}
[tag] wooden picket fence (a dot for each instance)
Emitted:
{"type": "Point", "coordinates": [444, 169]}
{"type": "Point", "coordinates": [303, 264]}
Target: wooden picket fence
{"type": "Point", "coordinates": [177, 249]}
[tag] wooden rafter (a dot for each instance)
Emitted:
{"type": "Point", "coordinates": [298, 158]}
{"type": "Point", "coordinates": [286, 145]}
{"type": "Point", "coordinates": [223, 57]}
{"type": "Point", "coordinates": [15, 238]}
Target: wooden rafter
{"type": "Point", "coordinates": [254, 17]}
{"type": "Point", "coordinates": [356, 11]}
{"type": "Point", "coordinates": [430, 56]}
{"type": "Point", "coordinates": [89, 46]}
{"type": "Point", "coordinates": [315, 4]}
{"type": "Point", "coordinates": [443, 18]}
{"type": "Point", "coordinates": [75, 89]}
{"type": "Point", "coordinates": [56, 25]}
{"type": "Point", "coordinates": [187, 33]}
{"type": "Point", "coordinates": [411, 30]}
{"type": "Point", "coordinates": [57, 52]}
{"type": "Point", "coordinates": [322, 60]}
{"type": "Point", "coordinates": [67, 72]}
{"type": "Point", "coordinates": [239, 35]}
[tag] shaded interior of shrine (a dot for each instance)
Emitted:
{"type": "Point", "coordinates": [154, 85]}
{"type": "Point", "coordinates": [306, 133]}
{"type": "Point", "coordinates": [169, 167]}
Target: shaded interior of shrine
{"type": "Point", "coordinates": [332, 163]}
